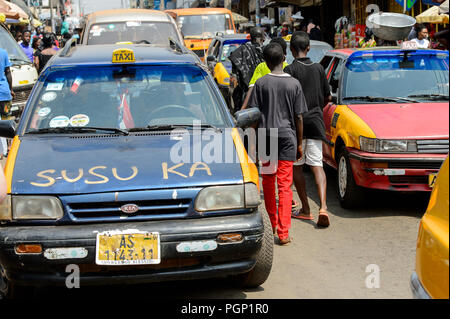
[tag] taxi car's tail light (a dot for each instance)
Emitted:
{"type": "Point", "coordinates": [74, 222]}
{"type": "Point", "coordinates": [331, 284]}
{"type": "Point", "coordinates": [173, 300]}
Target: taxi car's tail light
{"type": "Point", "coordinates": [228, 197]}
{"type": "Point", "coordinates": [36, 207]}
{"type": "Point", "coordinates": [373, 145]}
{"type": "Point", "coordinates": [28, 249]}
{"type": "Point", "coordinates": [5, 209]}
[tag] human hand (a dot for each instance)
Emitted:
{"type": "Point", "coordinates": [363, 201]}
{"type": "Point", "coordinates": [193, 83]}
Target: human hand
{"type": "Point", "coordinates": [13, 94]}
{"type": "Point", "coordinates": [299, 153]}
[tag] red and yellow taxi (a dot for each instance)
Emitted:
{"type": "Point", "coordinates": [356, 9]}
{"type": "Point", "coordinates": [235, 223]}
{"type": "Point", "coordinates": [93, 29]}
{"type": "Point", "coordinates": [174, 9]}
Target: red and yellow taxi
{"type": "Point", "coordinates": [388, 125]}
{"type": "Point", "coordinates": [430, 280]}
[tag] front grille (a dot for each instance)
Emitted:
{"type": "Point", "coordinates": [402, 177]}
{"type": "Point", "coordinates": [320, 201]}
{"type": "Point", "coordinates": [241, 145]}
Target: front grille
{"type": "Point", "coordinates": [200, 53]}
{"type": "Point", "coordinates": [152, 208]}
{"type": "Point", "coordinates": [21, 95]}
{"type": "Point", "coordinates": [433, 146]}
{"type": "Point", "coordinates": [408, 179]}
{"type": "Point", "coordinates": [167, 204]}
{"type": "Point", "coordinates": [416, 165]}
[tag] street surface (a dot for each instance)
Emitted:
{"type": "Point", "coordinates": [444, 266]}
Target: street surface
{"type": "Point", "coordinates": [320, 263]}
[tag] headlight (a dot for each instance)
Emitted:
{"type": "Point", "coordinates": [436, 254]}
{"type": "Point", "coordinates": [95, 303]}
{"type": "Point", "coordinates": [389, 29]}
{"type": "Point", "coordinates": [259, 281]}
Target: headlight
{"type": "Point", "coordinates": [228, 197]}
{"type": "Point", "coordinates": [36, 207]}
{"type": "Point", "coordinates": [373, 145]}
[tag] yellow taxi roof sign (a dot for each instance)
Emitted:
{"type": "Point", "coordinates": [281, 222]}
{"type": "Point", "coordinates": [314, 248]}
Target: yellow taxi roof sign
{"type": "Point", "coordinates": [123, 56]}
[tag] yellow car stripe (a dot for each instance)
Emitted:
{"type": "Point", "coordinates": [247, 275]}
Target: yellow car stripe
{"type": "Point", "coordinates": [249, 170]}
{"type": "Point", "coordinates": [10, 163]}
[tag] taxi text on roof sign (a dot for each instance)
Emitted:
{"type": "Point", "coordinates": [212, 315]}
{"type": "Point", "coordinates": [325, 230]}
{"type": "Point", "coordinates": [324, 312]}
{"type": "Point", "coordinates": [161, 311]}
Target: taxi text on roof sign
{"type": "Point", "coordinates": [123, 56]}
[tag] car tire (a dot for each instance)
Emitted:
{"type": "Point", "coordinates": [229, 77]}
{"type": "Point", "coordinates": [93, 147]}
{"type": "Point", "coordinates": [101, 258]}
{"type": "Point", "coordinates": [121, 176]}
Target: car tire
{"type": "Point", "coordinates": [350, 194]}
{"type": "Point", "coordinates": [10, 291]}
{"type": "Point", "coordinates": [260, 273]}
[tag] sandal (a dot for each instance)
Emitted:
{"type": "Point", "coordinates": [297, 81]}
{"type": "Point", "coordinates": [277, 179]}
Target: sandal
{"type": "Point", "coordinates": [298, 215]}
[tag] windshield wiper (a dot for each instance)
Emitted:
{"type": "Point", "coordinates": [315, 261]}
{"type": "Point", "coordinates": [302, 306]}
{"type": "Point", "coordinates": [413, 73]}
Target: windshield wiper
{"type": "Point", "coordinates": [380, 99]}
{"type": "Point", "coordinates": [170, 127]}
{"type": "Point", "coordinates": [431, 96]}
{"type": "Point", "coordinates": [19, 60]}
{"type": "Point", "coordinates": [57, 130]}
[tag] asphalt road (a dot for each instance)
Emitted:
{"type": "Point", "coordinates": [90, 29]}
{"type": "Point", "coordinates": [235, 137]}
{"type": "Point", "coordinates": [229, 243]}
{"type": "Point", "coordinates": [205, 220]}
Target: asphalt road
{"type": "Point", "coordinates": [320, 263]}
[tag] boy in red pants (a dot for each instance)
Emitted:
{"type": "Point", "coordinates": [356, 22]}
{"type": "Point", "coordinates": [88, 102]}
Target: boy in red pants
{"type": "Point", "coordinates": [281, 101]}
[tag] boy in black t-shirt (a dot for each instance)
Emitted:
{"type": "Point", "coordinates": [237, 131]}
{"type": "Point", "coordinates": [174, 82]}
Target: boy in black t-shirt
{"type": "Point", "coordinates": [281, 101]}
{"type": "Point", "coordinates": [317, 93]}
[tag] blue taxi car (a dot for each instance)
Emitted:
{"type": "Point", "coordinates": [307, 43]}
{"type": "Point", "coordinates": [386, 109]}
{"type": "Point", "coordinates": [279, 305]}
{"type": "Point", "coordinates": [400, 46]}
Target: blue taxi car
{"type": "Point", "coordinates": [109, 171]}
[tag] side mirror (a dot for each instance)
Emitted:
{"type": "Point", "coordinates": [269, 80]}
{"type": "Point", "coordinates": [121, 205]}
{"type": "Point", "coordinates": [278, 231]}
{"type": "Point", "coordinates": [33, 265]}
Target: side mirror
{"type": "Point", "coordinates": [7, 129]}
{"type": "Point", "coordinates": [211, 59]}
{"type": "Point", "coordinates": [247, 118]}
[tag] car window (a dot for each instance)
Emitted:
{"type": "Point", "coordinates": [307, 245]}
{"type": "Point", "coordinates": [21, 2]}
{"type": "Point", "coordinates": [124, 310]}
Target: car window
{"type": "Point", "coordinates": [15, 52]}
{"type": "Point", "coordinates": [397, 76]}
{"type": "Point", "coordinates": [227, 50]}
{"type": "Point", "coordinates": [132, 31]}
{"type": "Point", "coordinates": [125, 97]}
{"type": "Point", "coordinates": [326, 62]}
{"type": "Point", "coordinates": [335, 74]}
{"type": "Point", "coordinates": [216, 49]}
{"type": "Point", "coordinates": [211, 47]}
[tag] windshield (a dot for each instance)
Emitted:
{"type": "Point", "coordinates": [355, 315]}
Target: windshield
{"type": "Point", "coordinates": [124, 97]}
{"type": "Point", "coordinates": [417, 76]}
{"type": "Point", "coordinates": [316, 54]}
{"type": "Point", "coordinates": [227, 50]}
{"type": "Point", "coordinates": [136, 32]}
{"type": "Point", "coordinates": [15, 52]}
{"type": "Point", "coordinates": [205, 26]}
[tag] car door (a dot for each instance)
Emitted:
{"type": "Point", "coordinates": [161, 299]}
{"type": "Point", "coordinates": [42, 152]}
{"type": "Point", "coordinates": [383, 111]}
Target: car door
{"type": "Point", "coordinates": [334, 72]}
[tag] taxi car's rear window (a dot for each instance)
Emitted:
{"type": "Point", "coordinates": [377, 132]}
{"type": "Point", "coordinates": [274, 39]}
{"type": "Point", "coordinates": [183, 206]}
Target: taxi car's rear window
{"type": "Point", "coordinates": [125, 97]}
{"type": "Point", "coordinates": [396, 76]}
{"type": "Point", "coordinates": [133, 31]}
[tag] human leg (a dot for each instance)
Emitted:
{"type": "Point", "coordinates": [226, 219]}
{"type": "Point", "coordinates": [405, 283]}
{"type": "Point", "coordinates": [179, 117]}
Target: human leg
{"type": "Point", "coordinates": [284, 181]}
{"type": "Point", "coordinates": [268, 182]}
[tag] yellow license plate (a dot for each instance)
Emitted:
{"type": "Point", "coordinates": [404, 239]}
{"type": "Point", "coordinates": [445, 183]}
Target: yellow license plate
{"type": "Point", "coordinates": [432, 179]}
{"type": "Point", "coordinates": [128, 248]}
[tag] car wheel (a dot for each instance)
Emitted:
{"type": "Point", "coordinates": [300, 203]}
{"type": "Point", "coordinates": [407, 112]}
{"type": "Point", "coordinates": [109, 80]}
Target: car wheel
{"type": "Point", "coordinates": [8, 290]}
{"type": "Point", "coordinates": [259, 274]}
{"type": "Point", "coordinates": [349, 193]}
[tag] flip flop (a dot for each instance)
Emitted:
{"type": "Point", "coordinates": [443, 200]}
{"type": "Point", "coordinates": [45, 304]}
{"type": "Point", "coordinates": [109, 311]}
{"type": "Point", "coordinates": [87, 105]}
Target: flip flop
{"type": "Point", "coordinates": [324, 220]}
{"type": "Point", "coordinates": [300, 217]}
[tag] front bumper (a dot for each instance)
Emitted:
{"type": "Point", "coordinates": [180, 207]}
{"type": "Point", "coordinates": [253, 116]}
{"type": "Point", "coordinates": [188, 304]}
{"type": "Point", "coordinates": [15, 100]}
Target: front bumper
{"type": "Point", "coordinates": [227, 259]}
{"type": "Point", "coordinates": [417, 289]}
{"type": "Point", "coordinates": [409, 172]}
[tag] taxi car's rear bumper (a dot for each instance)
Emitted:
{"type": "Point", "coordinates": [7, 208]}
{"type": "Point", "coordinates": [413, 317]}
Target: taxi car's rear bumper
{"type": "Point", "coordinates": [408, 172]}
{"type": "Point", "coordinates": [226, 259]}
{"type": "Point", "coordinates": [417, 288]}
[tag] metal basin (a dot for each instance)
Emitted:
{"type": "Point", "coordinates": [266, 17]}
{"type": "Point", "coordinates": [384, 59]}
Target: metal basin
{"type": "Point", "coordinates": [391, 26]}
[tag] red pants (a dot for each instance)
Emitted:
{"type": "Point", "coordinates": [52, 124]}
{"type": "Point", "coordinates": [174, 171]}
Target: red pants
{"type": "Point", "coordinates": [284, 179]}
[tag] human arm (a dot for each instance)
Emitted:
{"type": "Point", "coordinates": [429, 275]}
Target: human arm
{"type": "Point", "coordinates": [2, 185]}
{"type": "Point", "coordinates": [299, 131]}
{"type": "Point", "coordinates": [9, 79]}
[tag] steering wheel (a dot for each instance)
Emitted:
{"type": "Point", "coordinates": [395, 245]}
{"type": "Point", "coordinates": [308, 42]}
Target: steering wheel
{"type": "Point", "coordinates": [169, 110]}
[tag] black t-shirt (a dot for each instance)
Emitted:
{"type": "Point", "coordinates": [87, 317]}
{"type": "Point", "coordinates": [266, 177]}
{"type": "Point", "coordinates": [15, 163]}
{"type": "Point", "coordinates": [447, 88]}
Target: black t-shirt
{"type": "Point", "coordinates": [315, 86]}
{"type": "Point", "coordinates": [280, 99]}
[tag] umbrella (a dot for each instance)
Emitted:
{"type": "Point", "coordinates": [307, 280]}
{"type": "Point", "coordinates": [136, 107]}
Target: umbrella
{"type": "Point", "coordinates": [444, 7]}
{"type": "Point", "coordinates": [432, 15]}
{"type": "Point", "coordinates": [238, 19]}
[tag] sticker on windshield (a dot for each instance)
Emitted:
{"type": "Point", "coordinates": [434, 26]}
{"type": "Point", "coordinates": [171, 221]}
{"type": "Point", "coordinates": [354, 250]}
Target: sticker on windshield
{"type": "Point", "coordinates": [111, 27]}
{"type": "Point", "coordinates": [49, 97]}
{"type": "Point", "coordinates": [55, 87]}
{"type": "Point", "coordinates": [59, 121]}
{"type": "Point", "coordinates": [131, 24]}
{"type": "Point", "coordinates": [44, 111]}
{"type": "Point", "coordinates": [79, 120]}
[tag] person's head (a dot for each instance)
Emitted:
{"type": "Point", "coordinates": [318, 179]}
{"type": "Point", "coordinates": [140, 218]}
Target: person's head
{"type": "Point", "coordinates": [257, 35]}
{"type": "Point", "coordinates": [300, 43]}
{"type": "Point", "coordinates": [36, 43]}
{"type": "Point", "coordinates": [422, 32]}
{"type": "Point", "coordinates": [19, 36]}
{"type": "Point", "coordinates": [47, 40]}
{"type": "Point", "coordinates": [26, 37]}
{"type": "Point", "coordinates": [273, 55]}
{"type": "Point", "coordinates": [281, 42]}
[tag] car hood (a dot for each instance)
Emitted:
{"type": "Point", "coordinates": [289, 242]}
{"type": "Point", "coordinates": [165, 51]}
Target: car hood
{"type": "Point", "coordinates": [406, 121]}
{"type": "Point", "coordinates": [83, 164]}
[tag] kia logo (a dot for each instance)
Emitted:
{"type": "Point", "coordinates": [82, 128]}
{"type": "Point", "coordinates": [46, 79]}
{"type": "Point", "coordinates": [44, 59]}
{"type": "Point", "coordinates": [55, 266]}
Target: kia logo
{"type": "Point", "coordinates": [129, 208]}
